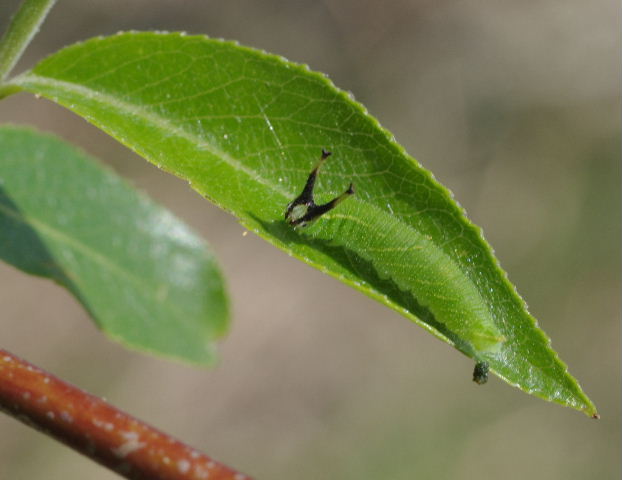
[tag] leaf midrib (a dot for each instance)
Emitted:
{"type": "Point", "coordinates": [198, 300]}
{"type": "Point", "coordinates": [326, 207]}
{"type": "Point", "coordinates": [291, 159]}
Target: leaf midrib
{"type": "Point", "coordinates": [169, 127]}
{"type": "Point", "coordinates": [158, 121]}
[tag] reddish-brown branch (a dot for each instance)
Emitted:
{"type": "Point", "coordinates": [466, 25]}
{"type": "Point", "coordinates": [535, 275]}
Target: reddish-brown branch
{"type": "Point", "coordinates": [98, 430]}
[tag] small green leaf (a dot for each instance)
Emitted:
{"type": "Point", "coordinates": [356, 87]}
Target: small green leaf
{"type": "Point", "coordinates": [147, 280]}
{"type": "Point", "coordinates": [246, 128]}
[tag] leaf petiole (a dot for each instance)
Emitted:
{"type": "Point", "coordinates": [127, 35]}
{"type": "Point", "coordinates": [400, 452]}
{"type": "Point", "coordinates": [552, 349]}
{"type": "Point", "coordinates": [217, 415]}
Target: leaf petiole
{"type": "Point", "coordinates": [23, 27]}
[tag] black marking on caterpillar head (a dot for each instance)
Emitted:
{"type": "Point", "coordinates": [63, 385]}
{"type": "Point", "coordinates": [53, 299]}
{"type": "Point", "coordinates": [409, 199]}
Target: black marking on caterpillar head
{"type": "Point", "coordinates": [303, 210]}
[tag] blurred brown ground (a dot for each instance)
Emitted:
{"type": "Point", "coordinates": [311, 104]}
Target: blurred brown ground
{"type": "Point", "coordinates": [515, 107]}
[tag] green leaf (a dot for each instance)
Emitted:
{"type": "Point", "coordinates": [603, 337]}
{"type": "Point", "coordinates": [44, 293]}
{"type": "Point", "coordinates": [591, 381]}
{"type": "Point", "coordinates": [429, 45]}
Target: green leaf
{"type": "Point", "coordinates": [146, 279]}
{"type": "Point", "coordinates": [246, 128]}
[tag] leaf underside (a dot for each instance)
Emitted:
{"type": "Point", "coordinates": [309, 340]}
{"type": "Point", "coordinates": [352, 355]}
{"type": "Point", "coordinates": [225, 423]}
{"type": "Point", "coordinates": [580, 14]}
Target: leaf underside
{"type": "Point", "coordinates": [146, 279]}
{"type": "Point", "coordinates": [245, 129]}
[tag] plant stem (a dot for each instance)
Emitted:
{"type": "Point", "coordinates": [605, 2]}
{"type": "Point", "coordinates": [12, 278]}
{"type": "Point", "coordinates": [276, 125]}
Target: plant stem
{"type": "Point", "coordinates": [98, 430]}
{"type": "Point", "coordinates": [23, 27]}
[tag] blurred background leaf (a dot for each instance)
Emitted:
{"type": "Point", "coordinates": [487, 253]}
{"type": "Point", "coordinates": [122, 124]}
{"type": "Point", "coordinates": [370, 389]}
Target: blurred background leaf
{"type": "Point", "coordinates": [516, 109]}
{"type": "Point", "coordinates": [144, 277]}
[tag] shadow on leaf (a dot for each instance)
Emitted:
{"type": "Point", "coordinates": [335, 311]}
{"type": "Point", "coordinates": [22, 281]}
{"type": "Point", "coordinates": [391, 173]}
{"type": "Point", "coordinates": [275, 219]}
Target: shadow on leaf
{"type": "Point", "coordinates": [360, 269]}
